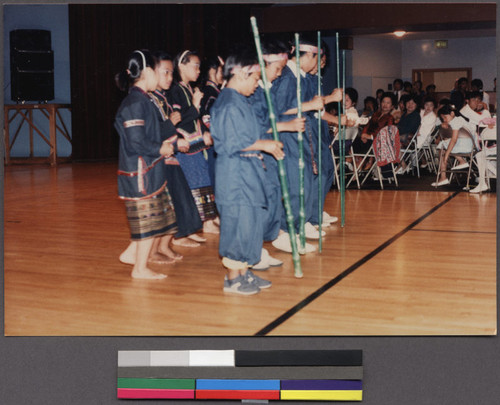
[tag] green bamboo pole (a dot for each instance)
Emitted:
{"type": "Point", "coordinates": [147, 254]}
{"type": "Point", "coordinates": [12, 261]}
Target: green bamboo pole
{"type": "Point", "coordinates": [320, 186]}
{"type": "Point", "coordinates": [342, 197]}
{"type": "Point", "coordinates": [281, 167]}
{"type": "Point", "coordinates": [300, 138]}
{"type": "Point", "coordinates": [341, 138]}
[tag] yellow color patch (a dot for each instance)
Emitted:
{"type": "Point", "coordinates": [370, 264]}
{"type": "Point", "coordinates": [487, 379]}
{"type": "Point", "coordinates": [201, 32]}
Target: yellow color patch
{"type": "Point", "coordinates": [322, 395]}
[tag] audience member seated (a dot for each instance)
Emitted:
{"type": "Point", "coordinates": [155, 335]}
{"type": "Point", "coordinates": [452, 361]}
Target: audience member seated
{"type": "Point", "coordinates": [354, 121]}
{"type": "Point", "coordinates": [407, 87]}
{"type": "Point", "coordinates": [485, 166]}
{"type": "Point", "coordinates": [410, 120]}
{"type": "Point", "coordinates": [457, 96]}
{"type": "Point", "coordinates": [417, 89]}
{"type": "Point", "coordinates": [477, 85]}
{"type": "Point", "coordinates": [379, 119]}
{"type": "Point", "coordinates": [428, 120]}
{"type": "Point", "coordinates": [459, 142]}
{"type": "Point", "coordinates": [408, 126]}
{"type": "Point", "coordinates": [370, 106]}
{"type": "Point", "coordinates": [398, 91]}
{"type": "Point", "coordinates": [402, 103]}
{"type": "Point", "coordinates": [378, 95]}
{"type": "Point", "coordinates": [474, 109]}
{"type": "Point", "coordinates": [430, 91]}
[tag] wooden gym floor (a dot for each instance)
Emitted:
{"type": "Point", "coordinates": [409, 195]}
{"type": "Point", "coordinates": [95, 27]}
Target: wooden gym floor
{"type": "Point", "coordinates": [406, 263]}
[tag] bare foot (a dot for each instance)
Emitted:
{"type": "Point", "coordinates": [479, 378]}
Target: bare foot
{"type": "Point", "coordinates": [147, 274]}
{"type": "Point", "coordinates": [129, 254]}
{"type": "Point", "coordinates": [159, 258]}
{"type": "Point", "coordinates": [184, 242]}
{"type": "Point", "coordinates": [210, 227]}
{"type": "Point", "coordinates": [169, 253]}
{"type": "Point", "coordinates": [197, 238]}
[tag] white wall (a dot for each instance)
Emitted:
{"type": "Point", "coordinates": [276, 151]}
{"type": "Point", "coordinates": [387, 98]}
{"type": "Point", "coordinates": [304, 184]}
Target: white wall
{"type": "Point", "coordinates": [477, 53]}
{"type": "Point", "coordinates": [375, 64]}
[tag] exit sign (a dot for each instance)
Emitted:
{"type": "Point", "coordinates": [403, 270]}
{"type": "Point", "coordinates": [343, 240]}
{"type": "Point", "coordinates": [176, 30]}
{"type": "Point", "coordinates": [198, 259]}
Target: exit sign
{"type": "Point", "coordinates": [441, 44]}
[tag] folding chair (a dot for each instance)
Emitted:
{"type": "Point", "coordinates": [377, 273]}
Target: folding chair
{"type": "Point", "coordinates": [468, 157]}
{"type": "Point", "coordinates": [428, 150]}
{"type": "Point", "coordinates": [359, 173]}
{"type": "Point", "coordinates": [410, 153]}
{"type": "Point", "coordinates": [350, 134]}
{"type": "Point", "coordinates": [488, 136]}
{"type": "Point", "coordinates": [386, 151]}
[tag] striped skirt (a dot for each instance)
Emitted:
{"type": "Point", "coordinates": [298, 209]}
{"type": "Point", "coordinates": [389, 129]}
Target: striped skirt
{"type": "Point", "coordinates": [154, 216]}
{"type": "Point", "coordinates": [204, 199]}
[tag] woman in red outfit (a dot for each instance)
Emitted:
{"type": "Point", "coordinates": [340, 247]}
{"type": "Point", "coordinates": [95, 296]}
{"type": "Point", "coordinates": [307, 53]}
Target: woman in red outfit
{"type": "Point", "coordinates": [380, 119]}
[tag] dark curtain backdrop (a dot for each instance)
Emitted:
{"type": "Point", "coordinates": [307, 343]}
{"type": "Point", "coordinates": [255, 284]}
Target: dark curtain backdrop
{"type": "Point", "coordinates": [102, 36]}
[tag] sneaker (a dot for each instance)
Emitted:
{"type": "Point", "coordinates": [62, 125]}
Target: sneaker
{"type": "Point", "coordinates": [261, 266]}
{"type": "Point", "coordinates": [240, 285]}
{"type": "Point", "coordinates": [479, 189]}
{"type": "Point", "coordinates": [282, 242]}
{"type": "Point", "coordinates": [311, 232]}
{"type": "Point", "coordinates": [460, 167]}
{"type": "Point", "coordinates": [440, 183]}
{"type": "Point", "coordinates": [329, 218]}
{"type": "Point", "coordinates": [272, 261]}
{"type": "Point", "coordinates": [256, 280]}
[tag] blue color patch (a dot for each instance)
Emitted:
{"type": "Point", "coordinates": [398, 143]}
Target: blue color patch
{"type": "Point", "coordinates": [237, 384]}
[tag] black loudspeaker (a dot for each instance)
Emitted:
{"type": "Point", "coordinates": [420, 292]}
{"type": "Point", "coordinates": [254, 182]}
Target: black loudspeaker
{"type": "Point", "coordinates": [31, 66]}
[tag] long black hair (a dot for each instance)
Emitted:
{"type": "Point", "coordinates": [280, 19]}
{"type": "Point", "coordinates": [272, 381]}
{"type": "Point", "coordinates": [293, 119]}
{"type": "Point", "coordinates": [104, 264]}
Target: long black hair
{"type": "Point", "coordinates": [212, 62]}
{"type": "Point", "coordinates": [136, 63]}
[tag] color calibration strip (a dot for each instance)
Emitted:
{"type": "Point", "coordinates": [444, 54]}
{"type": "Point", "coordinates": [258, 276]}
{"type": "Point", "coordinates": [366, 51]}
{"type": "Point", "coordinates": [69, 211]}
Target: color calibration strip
{"type": "Point", "coordinates": [311, 375]}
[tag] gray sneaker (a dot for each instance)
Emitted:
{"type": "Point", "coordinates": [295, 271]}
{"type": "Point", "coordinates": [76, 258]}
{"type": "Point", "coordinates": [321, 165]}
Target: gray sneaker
{"type": "Point", "coordinates": [240, 285]}
{"type": "Point", "coordinates": [256, 280]}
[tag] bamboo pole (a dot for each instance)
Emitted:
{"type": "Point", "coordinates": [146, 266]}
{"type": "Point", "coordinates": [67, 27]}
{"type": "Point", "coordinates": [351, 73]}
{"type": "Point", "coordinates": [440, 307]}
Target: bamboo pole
{"type": "Point", "coordinates": [300, 138]}
{"type": "Point", "coordinates": [281, 167]}
{"type": "Point", "coordinates": [342, 197]}
{"type": "Point", "coordinates": [341, 143]}
{"type": "Point", "coordinates": [320, 185]}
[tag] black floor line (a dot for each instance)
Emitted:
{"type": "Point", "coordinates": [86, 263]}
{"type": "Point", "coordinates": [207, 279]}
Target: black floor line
{"type": "Point", "coordinates": [451, 231]}
{"type": "Point", "coordinates": [306, 301]}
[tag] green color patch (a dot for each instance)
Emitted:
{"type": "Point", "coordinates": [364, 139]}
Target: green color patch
{"type": "Point", "coordinates": [157, 383]}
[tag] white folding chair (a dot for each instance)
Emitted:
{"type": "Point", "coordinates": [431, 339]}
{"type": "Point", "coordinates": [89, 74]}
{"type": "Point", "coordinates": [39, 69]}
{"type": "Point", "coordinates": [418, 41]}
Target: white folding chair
{"type": "Point", "coordinates": [428, 150]}
{"type": "Point", "coordinates": [386, 151]}
{"type": "Point", "coordinates": [410, 154]}
{"type": "Point", "coordinates": [350, 134]}
{"type": "Point", "coordinates": [488, 137]}
{"type": "Point", "coordinates": [468, 157]}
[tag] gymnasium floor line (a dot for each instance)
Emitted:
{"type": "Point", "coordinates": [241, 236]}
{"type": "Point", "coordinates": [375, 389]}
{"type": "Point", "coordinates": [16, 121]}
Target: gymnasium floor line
{"type": "Point", "coordinates": [451, 231]}
{"type": "Point", "coordinates": [306, 301]}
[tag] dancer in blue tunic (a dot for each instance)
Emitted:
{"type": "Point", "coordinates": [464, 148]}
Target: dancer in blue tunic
{"type": "Point", "coordinates": [275, 58]}
{"type": "Point", "coordinates": [141, 168]}
{"type": "Point", "coordinates": [285, 92]}
{"type": "Point", "coordinates": [240, 188]}
{"type": "Point", "coordinates": [327, 167]}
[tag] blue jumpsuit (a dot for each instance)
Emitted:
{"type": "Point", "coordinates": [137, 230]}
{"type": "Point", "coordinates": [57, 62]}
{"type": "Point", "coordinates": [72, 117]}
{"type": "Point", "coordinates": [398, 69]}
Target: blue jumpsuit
{"type": "Point", "coordinates": [285, 92]}
{"type": "Point", "coordinates": [273, 186]}
{"type": "Point", "coordinates": [327, 168]}
{"type": "Point", "coordinates": [240, 178]}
